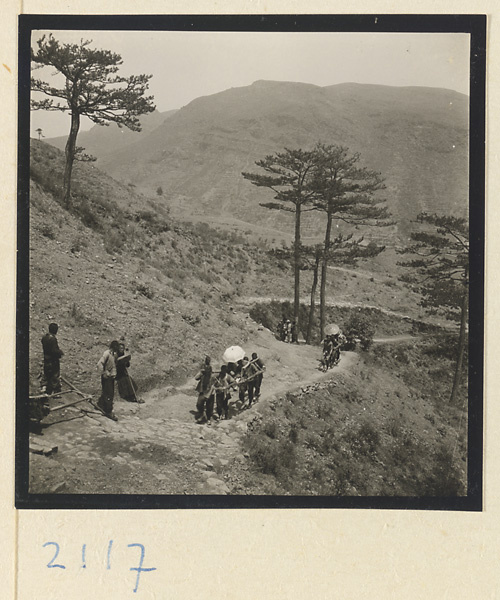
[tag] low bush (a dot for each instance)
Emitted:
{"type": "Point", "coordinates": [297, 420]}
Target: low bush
{"type": "Point", "coordinates": [359, 326]}
{"type": "Point", "coordinates": [144, 290]}
{"type": "Point", "coordinates": [48, 231]}
{"type": "Point", "coordinates": [79, 243]}
{"type": "Point", "coordinates": [273, 457]}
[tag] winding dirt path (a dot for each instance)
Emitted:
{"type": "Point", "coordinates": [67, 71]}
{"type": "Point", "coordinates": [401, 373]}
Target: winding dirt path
{"type": "Point", "coordinates": [249, 300]}
{"type": "Point", "coordinates": [157, 447]}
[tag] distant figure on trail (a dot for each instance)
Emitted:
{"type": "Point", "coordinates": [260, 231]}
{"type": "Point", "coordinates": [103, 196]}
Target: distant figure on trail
{"type": "Point", "coordinates": [107, 369]}
{"type": "Point", "coordinates": [127, 387]}
{"type": "Point", "coordinates": [205, 389]}
{"type": "Point", "coordinates": [335, 353]}
{"type": "Point", "coordinates": [222, 384]}
{"type": "Point", "coordinates": [260, 368]}
{"type": "Point", "coordinates": [51, 379]}
{"type": "Point", "coordinates": [331, 349]}
{"type": "Point", "coordinates": [294, 332]}
{"type": "Point", "coordinates": [282, 329]}
{"type": "Point", "coordinates": [327, 352]}
{"type": "Point", "coordinates": [288, 331]}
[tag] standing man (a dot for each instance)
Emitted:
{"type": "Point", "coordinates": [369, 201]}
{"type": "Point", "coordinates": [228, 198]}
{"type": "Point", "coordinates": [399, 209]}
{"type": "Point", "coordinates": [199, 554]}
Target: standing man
{"type": "Point", "coordinates": [107, 369]}
{"type": "Point", "coordinates": [249, 372]}
{"type": "Point", "coordinates": [51, 380]}
{"type": "Point", "coordinates": [223, 381]}
{"type": "Point", "coordinates": [205, 389]}
{"type": "Point", "coordinates": [260, 368]}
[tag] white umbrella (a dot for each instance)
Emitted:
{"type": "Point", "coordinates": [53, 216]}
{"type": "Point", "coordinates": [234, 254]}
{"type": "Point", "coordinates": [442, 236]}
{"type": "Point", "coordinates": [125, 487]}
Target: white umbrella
{"type": "Point", "coordinates": [233, 354]}
{"type": "Point", "coordinates": [332, 329]}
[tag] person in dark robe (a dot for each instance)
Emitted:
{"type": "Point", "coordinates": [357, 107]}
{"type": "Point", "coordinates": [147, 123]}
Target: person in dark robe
{"type": "Point", "coordinates": [51, 380]}
{"type": "Point", "coordinates": [127, 387]}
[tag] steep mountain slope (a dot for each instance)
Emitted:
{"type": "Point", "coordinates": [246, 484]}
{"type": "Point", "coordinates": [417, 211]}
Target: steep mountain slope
{"type": "Point", "coordinates": [417, 138]}
{"type": "Point", "coordinates": [101, 140]}
{"type": "Point", "coordinates": [118, 265]}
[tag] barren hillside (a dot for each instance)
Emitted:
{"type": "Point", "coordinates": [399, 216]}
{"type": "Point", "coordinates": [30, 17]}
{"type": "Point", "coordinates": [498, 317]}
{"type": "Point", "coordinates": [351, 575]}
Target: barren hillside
{"type": "Point", "coordinates": [416, 137]}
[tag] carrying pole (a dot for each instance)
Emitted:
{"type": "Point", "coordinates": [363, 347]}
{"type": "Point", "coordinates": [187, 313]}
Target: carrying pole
{"type": "Point", "coordinates": [132, 386]}
{"type": "Point", "coordinates": [73, 388]}
{"type": "Point", "coordinates": [70, 404]}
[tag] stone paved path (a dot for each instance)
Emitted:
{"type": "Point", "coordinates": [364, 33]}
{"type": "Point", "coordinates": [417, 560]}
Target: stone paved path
{"type": "Point", "coordinates": [157, 447]}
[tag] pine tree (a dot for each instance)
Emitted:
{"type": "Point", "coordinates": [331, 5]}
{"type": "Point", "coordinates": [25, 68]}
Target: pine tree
{"type": "Point", "coordinates": [92, 88]}
{"type": "Point", "coordinates": [289, 176]}
{"type": "Point", "coordinates": [440, 271]}
{"type": "Point", "coordinates": [345, 192]}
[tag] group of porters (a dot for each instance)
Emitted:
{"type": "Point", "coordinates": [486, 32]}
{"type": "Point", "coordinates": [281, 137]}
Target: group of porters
{"type": "Point", "coordinates": [213, 388]}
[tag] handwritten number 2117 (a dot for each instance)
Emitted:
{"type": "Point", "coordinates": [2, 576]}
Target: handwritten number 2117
{"type": "Point", "coordinates": [139, 568]}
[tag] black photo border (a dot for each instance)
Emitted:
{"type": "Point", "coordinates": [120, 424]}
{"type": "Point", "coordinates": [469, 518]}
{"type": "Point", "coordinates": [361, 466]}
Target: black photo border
{"type": "Point", "coordinates": [475, 25]}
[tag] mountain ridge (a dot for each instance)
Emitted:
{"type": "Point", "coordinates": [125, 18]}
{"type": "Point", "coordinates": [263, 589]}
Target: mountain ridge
{"type": "Point", "coordinates": [417, 137]}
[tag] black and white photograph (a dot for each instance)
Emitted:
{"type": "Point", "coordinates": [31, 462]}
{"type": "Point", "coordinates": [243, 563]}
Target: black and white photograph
{"type": "Point", "coordinates": [251, 265]}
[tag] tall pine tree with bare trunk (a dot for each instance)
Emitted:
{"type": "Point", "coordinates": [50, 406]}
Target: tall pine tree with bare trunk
{"type": "Point", "coordinates": [288, 177]}
{"type": "Point", "coordinates": [345, 192]}
{"type": "Point", "coordinates": [91, 89]}
{"type": "Point", "coordinates": [439, 269]}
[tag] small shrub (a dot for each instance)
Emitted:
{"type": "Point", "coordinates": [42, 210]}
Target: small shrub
{"type": "Point", "coordinates": [192, 320]}
{"type": "Point", "coordinates": [273, 457]}
{"type": "Point", "coordinates": [144, 290]}
{"type": "Point", "coordinates": [79, 243]}
{"type": "Point", "coordinates": [359, 327]}
{"type": "Point", "coordinates": [293, 434]}
{"type": "Point", "coordinates": [113, 241]}
{"type": "Point", "coordinates": [48, 231]}
{"type": "Point", "coordinates": [79, 318]}
{"type": "Point", "coordinates": [362, 441]}
{"type": "Point", "coordinates": [444, 478]}
{"type": "Point", "coordinates": [369, 437]}
{"type": "Point", "coordinates": [271, 429]}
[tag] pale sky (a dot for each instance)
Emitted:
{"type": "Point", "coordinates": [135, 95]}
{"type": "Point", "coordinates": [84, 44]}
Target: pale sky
{"type": "Point", "coordinates": [187, 65]}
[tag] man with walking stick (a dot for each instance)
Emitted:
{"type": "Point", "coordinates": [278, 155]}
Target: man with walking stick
{"type": "Point", "coordinates": [127, 387]}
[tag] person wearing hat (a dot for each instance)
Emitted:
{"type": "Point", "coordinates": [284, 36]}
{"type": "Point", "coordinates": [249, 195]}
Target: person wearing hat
{"type": "Point", "coordinates": [51, 380]}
